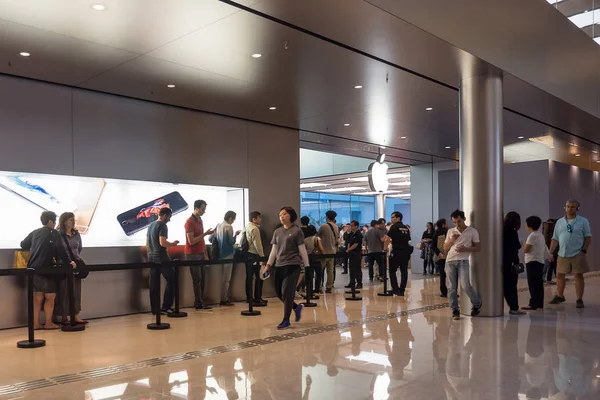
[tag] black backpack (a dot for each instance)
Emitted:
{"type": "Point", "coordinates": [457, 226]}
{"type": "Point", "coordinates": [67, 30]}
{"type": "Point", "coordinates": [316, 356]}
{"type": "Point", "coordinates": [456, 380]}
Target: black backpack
{"type": "Point", "coordinates": [244, 245]}
{"type": "Point", "coordinates": [214, 247]}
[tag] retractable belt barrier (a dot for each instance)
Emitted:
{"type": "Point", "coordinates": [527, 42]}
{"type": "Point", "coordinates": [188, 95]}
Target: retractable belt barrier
{"type": "Point", "coordinates": [29, 273]}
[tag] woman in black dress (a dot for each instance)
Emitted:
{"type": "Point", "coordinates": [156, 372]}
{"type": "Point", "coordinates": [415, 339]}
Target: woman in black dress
{"type": "Point", "coordinates": [510, 256]}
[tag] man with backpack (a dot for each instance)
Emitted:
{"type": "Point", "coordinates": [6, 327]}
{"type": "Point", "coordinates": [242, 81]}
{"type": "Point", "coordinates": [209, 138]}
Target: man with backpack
{"type": "Point", "coordinates": [252, 248]}
{"type": "Point", "coordinates": [224, 239]}
{"type": "Point", "coordinates": [330, 238]}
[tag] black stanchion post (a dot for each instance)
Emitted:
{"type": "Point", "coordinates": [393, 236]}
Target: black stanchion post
{"type": "Point", "coordinates": [158, 325]}
{"type": "Point", "coordinates": [353, 290]}
{"type": "Point", "coordinates": [308, 278]}
{"type": "Point", "coordinates": [177, 313]}
{"type": "Point", "coordinates": [250, 312]}
{"type": "Point", "coordinates": [73, 326]}
{"type": "Point", "coordinates": [31, 342]}
{"type": "Point", "coordinates": [385, 277]}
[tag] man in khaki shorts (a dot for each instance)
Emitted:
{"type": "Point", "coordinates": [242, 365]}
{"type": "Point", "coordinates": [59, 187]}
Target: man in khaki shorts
{"type": "Point", "coordinates": [572, 235]}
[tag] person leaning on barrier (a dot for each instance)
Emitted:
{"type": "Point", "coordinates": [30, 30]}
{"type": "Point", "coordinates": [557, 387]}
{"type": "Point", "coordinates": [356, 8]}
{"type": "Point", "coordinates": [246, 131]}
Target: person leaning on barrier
{"type": "Point", "coordinates": [157, 244]}
{"type": "Point", "coordinates": [255, 251]}
{"type": "Point", "coordinates": [195, 249]}
{"type": "Point", "coordinates": [46, 251]}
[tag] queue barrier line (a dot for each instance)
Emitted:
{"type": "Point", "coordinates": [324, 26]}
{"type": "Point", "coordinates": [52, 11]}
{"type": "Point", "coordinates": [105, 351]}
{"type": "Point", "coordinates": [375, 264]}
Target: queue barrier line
{"type": "Point", "coordinates": [29, 273]}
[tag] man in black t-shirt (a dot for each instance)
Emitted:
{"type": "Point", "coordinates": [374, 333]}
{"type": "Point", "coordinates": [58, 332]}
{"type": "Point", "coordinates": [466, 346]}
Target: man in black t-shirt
{"type": "Point", "coordinates": [157, 244]}
{"type": "Point", "coordinates": [399, 236]}
{"type": "Point", "coordinates": [354, 249]}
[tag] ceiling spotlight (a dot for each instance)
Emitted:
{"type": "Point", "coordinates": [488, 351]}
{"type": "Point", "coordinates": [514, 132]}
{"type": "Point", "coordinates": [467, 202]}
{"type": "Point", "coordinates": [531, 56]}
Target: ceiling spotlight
{"type": "Point", "coordinates": [99, 7]}
{"type": "Point", "coordinates": [257, 55]}
{"type": "Point", "coordinates": [595, 151]}
{"type": "Point", "coordinates": [402, 137]}
{"type": "Point", "coordinates": [521, 137]}
{"type": "Point", "coordinates": [358, 87]}
{"type": "Point", "coordinates": [171, 86]}
{"type": "Point", "coordinates": [346, 124]}
{"type": "Point", "coordinates": [448, 147]}
{"type": "Point", "coordinates": [429, 109]}
{"type": "Point", "coordinates": [272, 108]}
{"type": "Point", "coordinates": [577, 155]}
{"type": "Point", "coordinates": [24, 54]}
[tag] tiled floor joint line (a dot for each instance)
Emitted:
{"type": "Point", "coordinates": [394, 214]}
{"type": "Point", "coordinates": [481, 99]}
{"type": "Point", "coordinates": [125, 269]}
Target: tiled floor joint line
{"type": "Point", "coordinates": [153, 362]}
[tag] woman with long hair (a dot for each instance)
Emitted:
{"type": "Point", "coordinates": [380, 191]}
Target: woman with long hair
{"type": "Point", "coordinates": [71, 238]}
{"type": "Point", "coordinates": [427, 250]}
{"type": "Point", "coordinates": [510, 257]}
{"type": "Point", "coordinates": [288, 254]}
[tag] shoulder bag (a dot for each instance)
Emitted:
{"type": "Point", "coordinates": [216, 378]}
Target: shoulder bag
{"type": "Point", "coordinates": [81, 270]}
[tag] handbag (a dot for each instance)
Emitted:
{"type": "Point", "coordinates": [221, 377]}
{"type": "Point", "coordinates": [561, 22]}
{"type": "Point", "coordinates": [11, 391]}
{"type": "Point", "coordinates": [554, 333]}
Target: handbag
{"type": "Point", "coordinates": [518, 268]}
{"type": "Point", "coordinates": [81, 269]}
{"type": "Point", "coordinates": [420, 246]}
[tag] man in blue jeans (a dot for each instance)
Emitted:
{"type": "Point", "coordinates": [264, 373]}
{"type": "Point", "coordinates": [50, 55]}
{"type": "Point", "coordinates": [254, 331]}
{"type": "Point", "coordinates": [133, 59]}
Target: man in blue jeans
{"type": "Point", "coordinates": [461, 241]}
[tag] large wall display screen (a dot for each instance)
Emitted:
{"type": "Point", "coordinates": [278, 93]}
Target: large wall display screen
{"type": "Point", "coordinates": [109, 212]}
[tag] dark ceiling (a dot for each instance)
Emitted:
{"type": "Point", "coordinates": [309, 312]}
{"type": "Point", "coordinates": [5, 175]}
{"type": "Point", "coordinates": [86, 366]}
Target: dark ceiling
{"type": "Point", "coordinates": [313, 54]}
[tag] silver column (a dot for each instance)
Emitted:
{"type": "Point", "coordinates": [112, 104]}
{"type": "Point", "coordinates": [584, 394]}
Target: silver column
{"type": "Point", "coordinates": [380, 205]}
{"type": "Point", "coordinates": [481, 162]}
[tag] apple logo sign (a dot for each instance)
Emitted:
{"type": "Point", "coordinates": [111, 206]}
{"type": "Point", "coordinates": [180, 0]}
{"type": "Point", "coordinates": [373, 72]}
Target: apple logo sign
{"type": "Point", "coordinates": [378, 178]}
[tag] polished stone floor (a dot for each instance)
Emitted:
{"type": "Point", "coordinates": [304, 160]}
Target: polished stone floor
{"type": "Point", "coordinates": [377, 348]}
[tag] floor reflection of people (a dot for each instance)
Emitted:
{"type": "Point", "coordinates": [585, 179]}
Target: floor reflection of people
{"type": "Point", "coordinates": [572, 374]}
{"type": "Point", "coordinates": [279, 376]}
{"type": "Point", "coordinates": [458, 365]}
{"type": "Point", "coordinates": [538, 361]}
{"type": "Point", "coordinates": [400, 352]}
{"type": "Point", "coordinates": [356, 331]}
{"type": "Point", "coordinates": [224, 373]}
{"type": "Point", "coordinates": [510, 361]}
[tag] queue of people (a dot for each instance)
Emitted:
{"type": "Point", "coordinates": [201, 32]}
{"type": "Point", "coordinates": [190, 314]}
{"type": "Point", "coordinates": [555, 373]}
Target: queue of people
{"type": "Point", "coordinates": [562, 246]}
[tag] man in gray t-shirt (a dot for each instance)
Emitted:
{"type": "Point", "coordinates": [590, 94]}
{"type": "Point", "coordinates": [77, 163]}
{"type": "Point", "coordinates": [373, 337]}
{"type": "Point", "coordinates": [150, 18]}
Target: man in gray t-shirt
{"type": "Point", "coordinates": [374, 239]}
{"type": "Point", "coordinates": [157, 244]}
{"type": "Point", "coordinates": [330, 238]}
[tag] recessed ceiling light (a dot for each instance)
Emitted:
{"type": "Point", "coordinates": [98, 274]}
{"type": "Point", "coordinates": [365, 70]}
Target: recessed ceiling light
{"type": "Point", "coordinates": [346, 124]}
{"type": "Point", "coordinates": [358, 87]}
{"type": "Point", "coordinates": [513, 162]}
{"type": "Point", "coordinates": [171, 86]}
{"type": "Point", "coordinates": [521, 137]}
{"type": "Point", "coordinates": [257, 55]}
{"type": "Point", "coordinates": [99, 7]}
{"type": "Point", "coordinates": [598, 161]}
{"type": "Point", "coordinates": [448, 147]}
{"type": "Point", "coordinates": [272, 108]}
{"type": "Point", "coordinates": [402, 137]}
{"type": "Point", "coordinates": [429, 109]}
{"type": "Point", "coordinates": [24, 54]}
{"type": "Point", "coordinates": [577, 155]}
{"type": "Point", "coordinates": [595, 151]}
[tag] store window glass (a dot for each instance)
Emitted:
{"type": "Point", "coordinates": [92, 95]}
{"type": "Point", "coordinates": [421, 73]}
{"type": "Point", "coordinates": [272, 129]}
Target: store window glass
{"type": "Point", "coordinates": [315, 205]}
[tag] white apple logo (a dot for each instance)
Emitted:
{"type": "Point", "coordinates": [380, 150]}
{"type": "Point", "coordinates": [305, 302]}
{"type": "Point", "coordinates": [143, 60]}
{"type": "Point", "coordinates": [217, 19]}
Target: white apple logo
{"type": "Point", "coordinates": [378, 179]}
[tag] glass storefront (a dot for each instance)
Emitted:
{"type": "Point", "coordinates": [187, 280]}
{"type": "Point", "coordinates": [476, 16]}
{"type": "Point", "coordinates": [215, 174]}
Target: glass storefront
{"type": "Point", "coordinates": [348, 207]}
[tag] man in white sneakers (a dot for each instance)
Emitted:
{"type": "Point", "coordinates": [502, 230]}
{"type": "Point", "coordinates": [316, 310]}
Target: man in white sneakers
{"type": "Point", "coordinates": [461, 241]}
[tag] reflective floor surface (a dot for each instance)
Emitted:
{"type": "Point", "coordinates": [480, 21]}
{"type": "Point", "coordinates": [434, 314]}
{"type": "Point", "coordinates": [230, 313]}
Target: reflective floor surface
{"type": "Point", "coordinates": [377, 348]}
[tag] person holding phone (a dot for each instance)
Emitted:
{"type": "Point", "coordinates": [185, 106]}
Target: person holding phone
{"type": "Point", "coordinates": [288, 252]}
{"type": "Point", "coordinates": [195, 249]}
{"type": "Point", "coordinates": [157, 244]}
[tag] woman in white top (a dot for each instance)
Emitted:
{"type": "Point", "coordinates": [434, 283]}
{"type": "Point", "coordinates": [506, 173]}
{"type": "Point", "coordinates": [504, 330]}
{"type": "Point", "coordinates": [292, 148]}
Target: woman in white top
{"type": "Point", "coordinates": [536, 252]}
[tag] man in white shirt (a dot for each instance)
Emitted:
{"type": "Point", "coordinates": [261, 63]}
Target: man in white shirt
{"type": "Point", "coordinates": [461, 241]}
{"type": "Point", "coordinates": [536, 252]}
{"type": "Point", "coordinates": [255, 251]}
